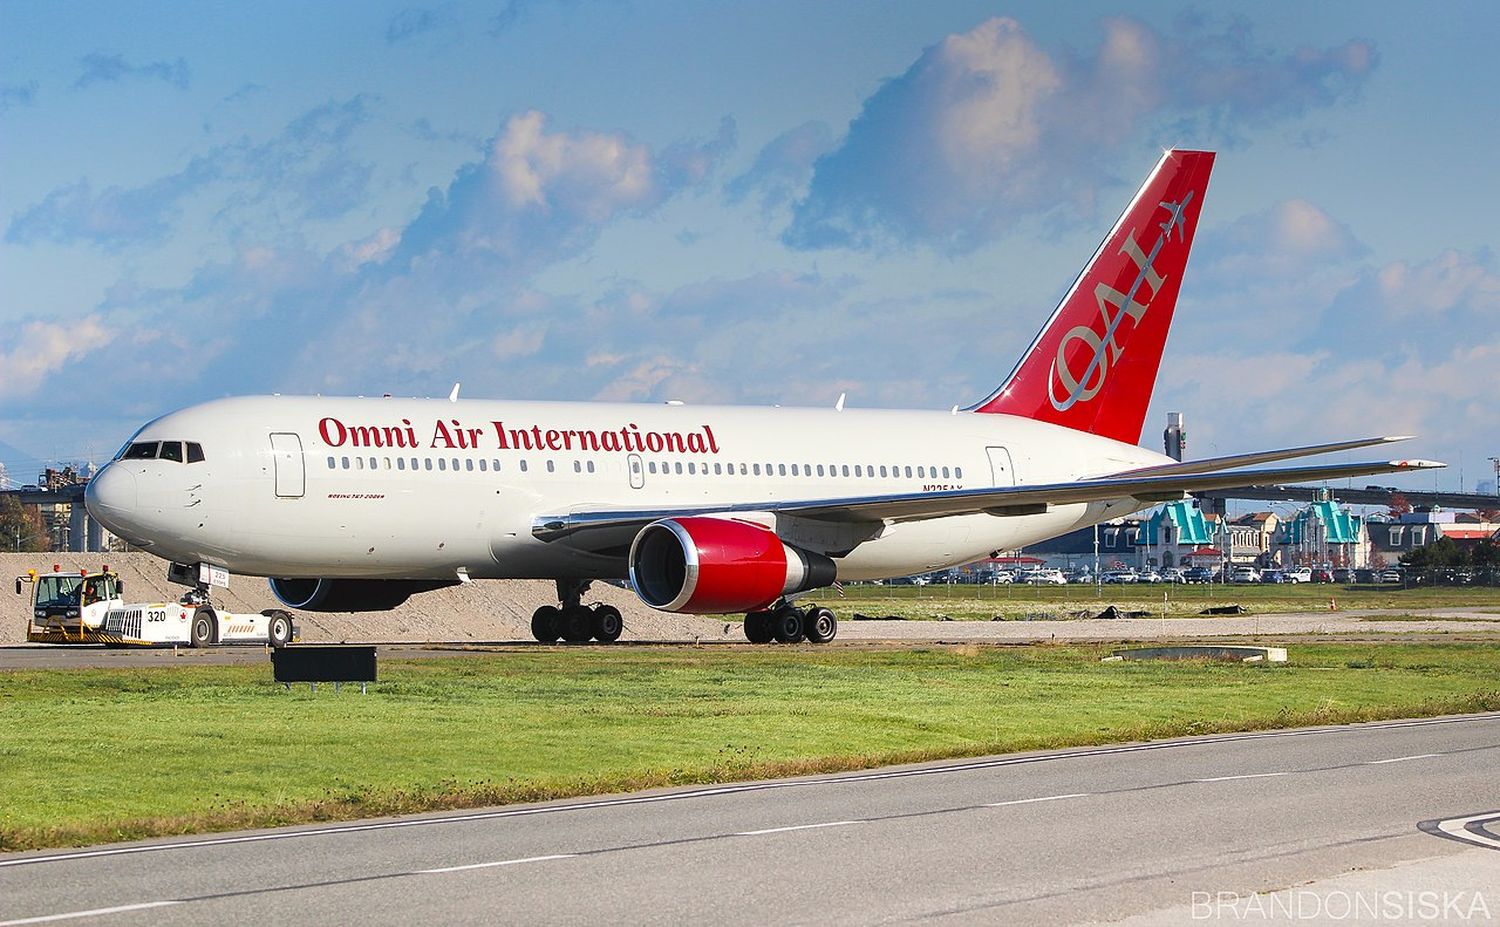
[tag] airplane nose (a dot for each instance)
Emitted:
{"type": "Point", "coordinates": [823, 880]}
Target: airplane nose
{"type": "Point", "coordinates": [110, 497]}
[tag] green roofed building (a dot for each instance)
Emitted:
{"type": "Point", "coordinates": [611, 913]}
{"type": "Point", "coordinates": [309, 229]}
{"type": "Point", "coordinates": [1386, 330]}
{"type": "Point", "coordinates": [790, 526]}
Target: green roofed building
{"type": "Point", "coordinates": [1324, 532]}
{"type": "Point", "coordinates": [1173, 531]}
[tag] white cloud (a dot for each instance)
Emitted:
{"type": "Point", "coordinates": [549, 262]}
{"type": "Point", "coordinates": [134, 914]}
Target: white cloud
{"type": "Point", "coordinates": [41, 349]}
{"type": "Point", "coordinates": [592, 174]}
{"type": "Point", "coordinates": [987, 127]}
{"type": "Point", "coordinates": [1452, 281]}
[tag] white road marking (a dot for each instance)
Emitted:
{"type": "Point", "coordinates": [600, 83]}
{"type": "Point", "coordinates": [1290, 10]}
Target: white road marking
{"type": "Point", "coordinates": [1246, 776]}
{"type": "Point", "coordinates": [782, 830]}
{"type": "Point", "coordinates": [1402, 759]}
{"type": "Point", "coordinates": [502, 862]}
{"type": "Point", "coordinates": [1455, 827]}
{"type": "Point", "coordinates": [448, 819]}
{"type": "Point", "coordinates": [94, 912]}
{"type": "Point", "coordinates": [1027, 801]}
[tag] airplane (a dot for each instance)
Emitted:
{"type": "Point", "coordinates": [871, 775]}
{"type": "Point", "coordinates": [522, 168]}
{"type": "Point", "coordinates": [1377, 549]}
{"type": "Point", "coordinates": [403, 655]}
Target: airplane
{"type": "Point", "coordinates": [356, 504]}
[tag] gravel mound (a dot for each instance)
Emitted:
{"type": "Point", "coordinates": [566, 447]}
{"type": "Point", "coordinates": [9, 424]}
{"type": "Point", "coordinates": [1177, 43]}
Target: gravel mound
{"type": "Point", "coordinates": [485, 610]}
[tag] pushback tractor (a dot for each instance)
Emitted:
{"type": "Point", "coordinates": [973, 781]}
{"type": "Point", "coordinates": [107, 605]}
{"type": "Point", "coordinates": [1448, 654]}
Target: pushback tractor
{"type": "Point", "coordinates": [84, 607]}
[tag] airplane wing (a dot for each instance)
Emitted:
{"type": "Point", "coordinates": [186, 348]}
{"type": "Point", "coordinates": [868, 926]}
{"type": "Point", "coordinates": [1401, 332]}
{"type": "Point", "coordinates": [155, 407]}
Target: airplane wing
{"type": "Point", "coordinates": [1000, 501]}
{"type": "Point", "coordinates": [1212, 464]}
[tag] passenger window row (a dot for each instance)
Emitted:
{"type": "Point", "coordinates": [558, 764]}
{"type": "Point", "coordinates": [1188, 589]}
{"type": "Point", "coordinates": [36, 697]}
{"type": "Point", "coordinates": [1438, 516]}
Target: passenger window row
{"type": "Point", "coordinates": [164, 450]}
{"type": "Point", "coordinates": [464, 464]}
{"type": "Point", "coordinates": [861, 471]}
{"type": "Point", "coordinates": [691, 468]}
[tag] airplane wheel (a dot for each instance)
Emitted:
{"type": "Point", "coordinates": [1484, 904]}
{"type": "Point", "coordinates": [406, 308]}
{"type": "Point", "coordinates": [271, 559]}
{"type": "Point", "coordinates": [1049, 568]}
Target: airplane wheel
{"type": "Point", "coordinates": [546, 624]}
{"type": "Point", "coordinates": [279, 630]}
{"type": "Point", "coordinates": [758, 628]}
{"type": "Point", "coordinates": [577, 624]}
{"type": "Point", "coordinates": [608, 624]}
{"type": "Point", "coordinates": [821, 626]}
{"type": "Point", "coordinates": [201, 632]}
{"type": "Point", "coordinates": [788, 624]}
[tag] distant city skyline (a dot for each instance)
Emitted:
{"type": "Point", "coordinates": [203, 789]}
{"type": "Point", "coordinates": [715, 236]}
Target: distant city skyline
{"type": "Point", "coordinates": [748, 203]}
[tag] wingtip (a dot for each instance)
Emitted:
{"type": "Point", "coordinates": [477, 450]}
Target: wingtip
{"type": "Point", "coordinates": [1418, 464]}
{"type": "Point", "coordinates": [1392, 439]}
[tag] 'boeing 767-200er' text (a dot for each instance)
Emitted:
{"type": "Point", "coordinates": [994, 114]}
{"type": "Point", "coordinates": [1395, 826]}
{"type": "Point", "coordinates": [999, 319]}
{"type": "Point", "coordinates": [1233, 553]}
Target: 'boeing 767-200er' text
{"type": "Point", "coordinates": [357, 504]}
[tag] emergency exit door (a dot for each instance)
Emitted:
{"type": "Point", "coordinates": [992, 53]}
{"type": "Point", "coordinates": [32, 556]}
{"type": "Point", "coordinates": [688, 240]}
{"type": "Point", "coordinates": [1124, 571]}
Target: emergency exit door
{"type": "Point", "coordinates": [291, 477]}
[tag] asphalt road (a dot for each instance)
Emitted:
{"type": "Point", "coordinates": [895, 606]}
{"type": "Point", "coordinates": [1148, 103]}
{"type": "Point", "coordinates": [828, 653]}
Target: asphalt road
{"type": "Point", "coordinates": [1142, 831]}
{"type": "Point", "coordinates": [1437, 625]}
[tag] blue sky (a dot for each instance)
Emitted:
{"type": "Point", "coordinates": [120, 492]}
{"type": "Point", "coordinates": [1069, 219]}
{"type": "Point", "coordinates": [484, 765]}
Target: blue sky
{"type": "Point", "coordinates": [752, 203]}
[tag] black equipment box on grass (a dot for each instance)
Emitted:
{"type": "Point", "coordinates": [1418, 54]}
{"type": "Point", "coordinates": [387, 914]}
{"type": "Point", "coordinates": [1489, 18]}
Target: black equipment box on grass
{"type": "Point", "coordinates": [316, 663]}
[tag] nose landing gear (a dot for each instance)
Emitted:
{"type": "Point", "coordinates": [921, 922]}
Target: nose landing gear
{"type": "Point", "coordinates": [575, 622]}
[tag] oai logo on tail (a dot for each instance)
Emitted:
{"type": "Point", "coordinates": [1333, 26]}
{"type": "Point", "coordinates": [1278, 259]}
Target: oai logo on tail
{"type": "Point", "coordinates": [1066, 390]}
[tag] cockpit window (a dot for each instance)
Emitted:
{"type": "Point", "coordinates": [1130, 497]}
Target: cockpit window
{"type": "Point", "coordinates": [195, 452]}
{"type": "Point", "coordinates": [171, 450]}
{"type": "Point", "coordinates": [141, 450]}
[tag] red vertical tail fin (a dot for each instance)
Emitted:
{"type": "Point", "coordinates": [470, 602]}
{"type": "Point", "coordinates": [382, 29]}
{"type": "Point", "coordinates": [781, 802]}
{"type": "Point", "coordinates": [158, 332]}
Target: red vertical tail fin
{"type": "Point", "coordinates": [1093, 365]}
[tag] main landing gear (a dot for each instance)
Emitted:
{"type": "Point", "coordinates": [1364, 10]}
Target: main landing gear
{"type": "Point", "coordinates": [791, 625]}
{"type": "Point", "coordinates": [575, 622]}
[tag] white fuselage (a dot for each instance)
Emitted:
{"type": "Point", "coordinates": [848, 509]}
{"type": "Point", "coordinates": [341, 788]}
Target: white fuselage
{"type": "Point", "coordinates": [426, 489]}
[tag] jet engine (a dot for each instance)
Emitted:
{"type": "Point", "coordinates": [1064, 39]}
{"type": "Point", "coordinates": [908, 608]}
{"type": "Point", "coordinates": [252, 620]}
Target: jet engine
{"type": "Point", "coordinates": [708, 565]}
{"type": "Point", "coordinates": [350, 595]}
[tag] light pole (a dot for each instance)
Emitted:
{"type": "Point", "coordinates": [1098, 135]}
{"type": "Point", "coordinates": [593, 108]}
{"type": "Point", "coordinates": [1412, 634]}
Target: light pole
{"type": "Point", "coordinates": [1098, 588]}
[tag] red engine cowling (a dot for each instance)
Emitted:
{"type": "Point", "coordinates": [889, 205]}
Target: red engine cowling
{"type": "Point", "coordinates": [712, 566]}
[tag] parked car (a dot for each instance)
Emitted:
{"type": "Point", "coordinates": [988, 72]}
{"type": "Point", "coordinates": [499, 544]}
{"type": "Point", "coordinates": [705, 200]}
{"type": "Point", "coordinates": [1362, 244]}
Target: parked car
{"type": "Point", "coordinates": [1389, 576]}
{"type": "Point", "coordinates": [1121, 576]}
{"type": "Point", "coordinates": [1174, 575]}
{"type": "Point", "coordinates": [1272, 576]}
{"type": "Point", "coordinates": [1245, 574]}
{"type": "Point", "coordinates": [1197, 575]}
{"type": "Point", "coordinates": [1148, 575]}
{"type": "Point", "coordinates": [1322, 576]}
{"type": "Point", "coordinates": [1299, 575]}
{"type": "Point", "coordinates": [1040, 576]}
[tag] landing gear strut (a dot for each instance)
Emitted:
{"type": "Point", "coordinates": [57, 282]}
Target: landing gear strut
{"type": "Point", "coordinates": [791, 625]}
{"type": "Point", "coordinates": [574, 621]}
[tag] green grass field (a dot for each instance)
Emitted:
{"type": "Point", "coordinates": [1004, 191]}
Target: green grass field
{"type": "Point", "coordinates": [112, 754]}
{"type": "Point", "coordinates": [983, 603]}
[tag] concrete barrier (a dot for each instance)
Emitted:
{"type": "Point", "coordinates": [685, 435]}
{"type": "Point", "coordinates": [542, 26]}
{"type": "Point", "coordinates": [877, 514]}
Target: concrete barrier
{"type": "Point", "coordinates": [1228, 652]}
